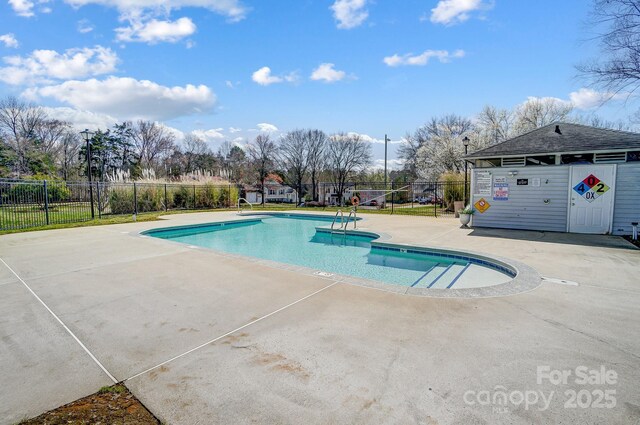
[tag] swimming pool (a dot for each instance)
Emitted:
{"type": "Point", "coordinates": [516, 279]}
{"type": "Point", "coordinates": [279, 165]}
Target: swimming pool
{"type": "Point", "coordinates": [308, 242]}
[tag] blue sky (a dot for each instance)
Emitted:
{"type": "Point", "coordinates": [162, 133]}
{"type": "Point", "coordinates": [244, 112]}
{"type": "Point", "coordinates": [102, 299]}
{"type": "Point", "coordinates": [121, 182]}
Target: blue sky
{"type": "Point", "coordinates": [371, 67]}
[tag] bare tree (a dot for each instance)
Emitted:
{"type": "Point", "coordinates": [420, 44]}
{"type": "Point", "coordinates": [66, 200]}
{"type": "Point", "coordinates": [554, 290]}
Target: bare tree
{"type": "Point", "coordinates": [153, 141]}
{"type": "Point", "coordinates": [408, 154]}
{"type": "Point", "coordinates": [618, 67]}
{"type": "Point", "coordinates": [48, 135]}
{"type": "Point", "coordinates": [316, 157]}
{"type": "Point", "coordinates": [494, 125]}
{"type": "Point", "coordinates": [262, 152]}
{"type": "Point", "coordinates": [68, 154]}
{"type": "Point", "coordinates": [18, 122]}
{"type": "Point", "coordinates": [538, 112]}
{"type": "Point", "coordinates": [347, 154]}
{"type": "Point", "coordinates": [440, 146]}
{"type": "Point", "coordinates": [194, 149]}
{"type": "Point", "coordinates": [294, 158]}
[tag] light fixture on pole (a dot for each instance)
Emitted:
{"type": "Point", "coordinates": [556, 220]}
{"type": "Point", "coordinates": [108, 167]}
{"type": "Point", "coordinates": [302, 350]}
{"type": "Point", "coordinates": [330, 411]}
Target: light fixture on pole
{"type": "Point", "coordinates": [465, 142]}
{"type": "Point", "coordinates": [87, 135]}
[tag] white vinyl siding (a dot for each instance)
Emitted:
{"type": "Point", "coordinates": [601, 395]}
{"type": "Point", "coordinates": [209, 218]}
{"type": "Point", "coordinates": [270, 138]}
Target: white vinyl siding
{"type": "Point", "coordinates": [627, 203]}
{"type": "Point", "coordinates": [526, 207]}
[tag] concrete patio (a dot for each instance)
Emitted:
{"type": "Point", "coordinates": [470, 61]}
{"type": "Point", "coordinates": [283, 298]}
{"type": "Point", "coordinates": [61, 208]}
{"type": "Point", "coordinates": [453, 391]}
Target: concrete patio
{"type": "Point", "coordinates": [201, 337]}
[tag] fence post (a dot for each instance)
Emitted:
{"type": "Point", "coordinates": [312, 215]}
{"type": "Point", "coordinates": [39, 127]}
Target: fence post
{"type": "Point", "coordinates": [194, 196]}
{"type": "Point", "coordinates": [46, 202]}
{"type": "Point", "coordinates": [435, 201]}
{"type": "Point", "coordinates": [393, 197]}
{"type": "Point", "coordinates": [99, 200]}
{"type": "Point", "coordinates": [229, 197]}
{"type": "Point", "coordinates": [135, 199]}
{"type": "Point", "coordinates": [166, 199]}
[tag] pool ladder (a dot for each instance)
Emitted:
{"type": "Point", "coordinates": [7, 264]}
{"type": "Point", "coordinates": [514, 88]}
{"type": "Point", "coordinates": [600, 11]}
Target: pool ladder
{"type": "Point", "coordinates": [343, 224]}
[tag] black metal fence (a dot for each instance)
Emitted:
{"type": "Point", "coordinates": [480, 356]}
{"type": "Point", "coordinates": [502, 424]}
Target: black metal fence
{"type": "Point", "coordinates": [419, 198]}
{"type": "Point", "coordinates": [34, 203]}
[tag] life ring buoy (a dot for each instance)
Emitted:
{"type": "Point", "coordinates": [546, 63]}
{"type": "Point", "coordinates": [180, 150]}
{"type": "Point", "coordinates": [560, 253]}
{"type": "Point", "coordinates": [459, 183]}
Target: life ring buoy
{"type": "Point", "coordinates": [355, 201]}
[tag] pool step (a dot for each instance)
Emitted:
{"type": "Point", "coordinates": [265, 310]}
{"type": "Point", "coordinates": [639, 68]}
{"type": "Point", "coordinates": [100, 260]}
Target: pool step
{"type": "Point", "coordinates": [448, 276]}
{"type": "Point", "coordinates": [429, 276]}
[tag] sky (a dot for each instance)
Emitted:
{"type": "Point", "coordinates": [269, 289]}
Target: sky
{"type": "Point", "coordinates": [228, 69]}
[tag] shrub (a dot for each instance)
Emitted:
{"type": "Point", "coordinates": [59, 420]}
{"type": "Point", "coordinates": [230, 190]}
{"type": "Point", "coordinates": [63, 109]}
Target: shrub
{"type": "Point", "coordinates": [453, 188]}
{"type": "Point", "coordinates": [150, 198]}
{"type": "Point", "coordinates": [121, 200]}
{"type": "Point", "coordinates": [182, 197]}
{"type": "Point", "coordinates": [206, 196]}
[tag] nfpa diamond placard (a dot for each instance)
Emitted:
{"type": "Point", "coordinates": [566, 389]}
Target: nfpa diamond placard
{"type": "Point", "coordinates": [591, 188]}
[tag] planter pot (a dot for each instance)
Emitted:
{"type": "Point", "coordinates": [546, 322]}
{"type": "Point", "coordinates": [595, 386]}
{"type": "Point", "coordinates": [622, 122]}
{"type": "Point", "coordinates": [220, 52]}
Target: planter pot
{"type": "Point", "coordinates": [457, 206]}
{"type": "Point", "coordinates": [465, 219]}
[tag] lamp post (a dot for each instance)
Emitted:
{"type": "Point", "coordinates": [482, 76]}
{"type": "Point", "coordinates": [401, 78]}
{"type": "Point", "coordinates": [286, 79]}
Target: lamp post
{"type": "Point", "coordinates": [87, 135]}
{"type": "Point", "coordinates": [465, 142]}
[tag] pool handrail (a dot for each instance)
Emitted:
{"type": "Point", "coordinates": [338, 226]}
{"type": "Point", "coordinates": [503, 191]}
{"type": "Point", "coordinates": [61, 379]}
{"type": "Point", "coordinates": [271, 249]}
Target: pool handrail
{"type": "Point", "coordinates": [245, 200]}
{"type": "Point", "coordinates": [336, 217]}
{"type": "Point", "coordinates": [355, 220]}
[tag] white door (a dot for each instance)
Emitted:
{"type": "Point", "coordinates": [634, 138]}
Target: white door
{"type": "Point", "coordinates": [591, 195]}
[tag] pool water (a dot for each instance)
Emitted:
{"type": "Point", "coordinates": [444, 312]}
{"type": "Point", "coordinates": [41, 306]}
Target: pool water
{"type": "Point", "coordinates": [296, 241]}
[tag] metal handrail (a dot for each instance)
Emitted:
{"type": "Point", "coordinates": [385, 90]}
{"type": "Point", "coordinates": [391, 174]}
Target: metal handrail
{"type": "Point", "coordinates": [244, 199]}
{"type": "Point", "coordinates": [355, 219]}
{"type": "Point", "coordinates": [335, 217]}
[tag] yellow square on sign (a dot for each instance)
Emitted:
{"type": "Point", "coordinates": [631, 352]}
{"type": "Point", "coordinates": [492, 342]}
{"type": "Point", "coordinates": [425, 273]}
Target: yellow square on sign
{"type": "Point", "coordinates": [482, 205]}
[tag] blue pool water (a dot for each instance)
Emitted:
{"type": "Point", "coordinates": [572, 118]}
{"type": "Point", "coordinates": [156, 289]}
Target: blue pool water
{"type": "Point", "coordinates": [295, 241]}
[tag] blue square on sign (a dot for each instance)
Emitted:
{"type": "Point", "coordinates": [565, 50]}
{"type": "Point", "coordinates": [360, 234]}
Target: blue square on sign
{"type": "Point", "coordinates": [581, 188]}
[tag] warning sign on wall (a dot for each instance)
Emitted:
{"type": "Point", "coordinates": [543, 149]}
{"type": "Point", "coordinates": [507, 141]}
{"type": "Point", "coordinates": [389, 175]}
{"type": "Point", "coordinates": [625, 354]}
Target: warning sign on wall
{"type": "Point", "coordinates": [500, 191]}
{"type": "Point", "coordinates": [482, 205]}
{"type": "Point", "coordinates": [591, 188]}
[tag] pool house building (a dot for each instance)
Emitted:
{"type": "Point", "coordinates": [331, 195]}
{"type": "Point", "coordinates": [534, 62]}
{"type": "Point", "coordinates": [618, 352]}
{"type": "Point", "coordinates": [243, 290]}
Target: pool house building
{"type": "Point", "coordinates": [562, 177]}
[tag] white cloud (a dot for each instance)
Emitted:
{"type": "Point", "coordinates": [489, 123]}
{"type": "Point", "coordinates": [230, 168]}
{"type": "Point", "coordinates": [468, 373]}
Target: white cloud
{"type": "Point", "coordinates": [22, 7]}
{"type": "Point", "coordinates": [367, 138]}
{"type": "Point", "coordinates": [349, 13]}
{"type": "Point", "coordinates": [84, 26]}
{"type": "Point", "coordinates": [128, 98]}
{"type": "Point", "coordinates": [9, 40]}
{"type": "Point", "coordinates": [233, 130]}
{"type": "Point", "coordinates": [47, 65]}
{"type": "Point", "coordinates": [209, 135]}
{"type": "Point", "coordinates": [450, 12]}
{"type": "Point", "coordinates": [264, 77]}
{"type": "Point", "coordinates": [422, 59]}
{"type": "Point", "coordinates": [588, 98]}
{"type": "Point", "coordinates": [392, 164]}
{"type": "Point", "coordinates": [153, 31]}
{"type": "Point", "coordinates": [234, 10]}
{"type": "Point", "coordinates": [266, 127]}
{"type": "Point", "coordinates": [327, 73]}
{"type": "Point", "coordinates": [80, 119]}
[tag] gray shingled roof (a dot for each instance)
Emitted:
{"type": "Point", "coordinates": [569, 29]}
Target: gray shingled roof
{"type": "Point", "coordinates": [572, 138]}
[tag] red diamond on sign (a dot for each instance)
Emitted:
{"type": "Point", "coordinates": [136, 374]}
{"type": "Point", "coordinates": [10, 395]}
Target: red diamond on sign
{"type": "Point", "coordinates": [591, 180]}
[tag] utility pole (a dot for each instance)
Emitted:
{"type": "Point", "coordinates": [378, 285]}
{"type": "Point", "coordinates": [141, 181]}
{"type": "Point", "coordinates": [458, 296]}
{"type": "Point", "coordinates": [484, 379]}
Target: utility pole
{"type": "Point", "coordinates": [386, 139]}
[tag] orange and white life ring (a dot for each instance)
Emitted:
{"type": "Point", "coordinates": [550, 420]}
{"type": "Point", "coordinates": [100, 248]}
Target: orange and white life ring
{"type": "Point", "coordinates": [355, 201]}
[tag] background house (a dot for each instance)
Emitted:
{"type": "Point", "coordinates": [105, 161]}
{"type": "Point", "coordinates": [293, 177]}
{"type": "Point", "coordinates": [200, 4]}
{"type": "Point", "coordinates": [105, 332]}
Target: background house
{"type": "Point", "coordinates": [275, 191]}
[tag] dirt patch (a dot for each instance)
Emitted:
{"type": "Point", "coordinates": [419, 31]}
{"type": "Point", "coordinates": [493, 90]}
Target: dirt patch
{"type": "Point", "coordinates": [111, 405]}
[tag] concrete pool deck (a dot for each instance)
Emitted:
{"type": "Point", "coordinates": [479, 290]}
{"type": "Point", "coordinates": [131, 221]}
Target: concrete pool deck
{"type": "Point", "coordinates": [277, 346]}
